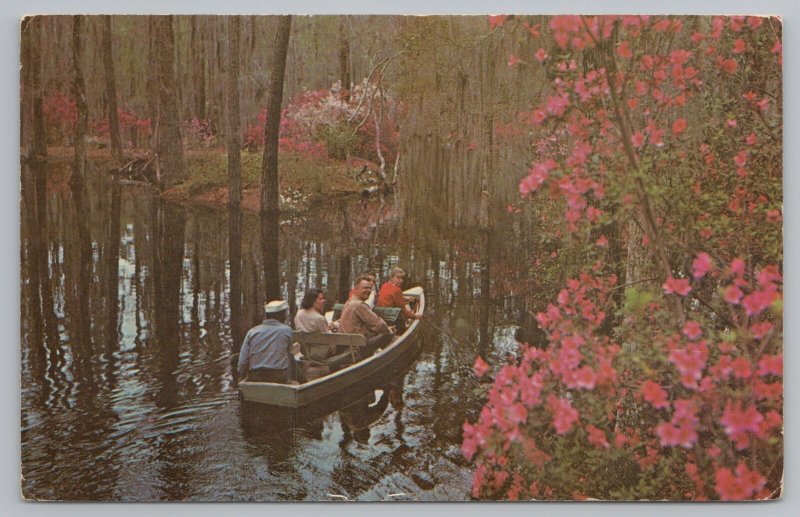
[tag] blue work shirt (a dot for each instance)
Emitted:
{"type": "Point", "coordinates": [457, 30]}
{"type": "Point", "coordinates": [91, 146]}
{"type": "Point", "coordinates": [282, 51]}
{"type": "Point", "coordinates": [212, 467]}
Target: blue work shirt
{"type": "Point", "coordinates": [266, 346]}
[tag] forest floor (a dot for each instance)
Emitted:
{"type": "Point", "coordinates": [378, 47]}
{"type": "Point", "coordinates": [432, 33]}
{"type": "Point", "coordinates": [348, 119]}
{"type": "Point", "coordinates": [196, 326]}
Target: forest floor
{"type": "Point", "coordinates": [303, 181]}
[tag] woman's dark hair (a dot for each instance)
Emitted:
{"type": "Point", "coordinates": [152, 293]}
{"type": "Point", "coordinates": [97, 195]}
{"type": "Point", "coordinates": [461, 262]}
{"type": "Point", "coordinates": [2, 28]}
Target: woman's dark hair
{"type": "Point", "coordinates": [310, 297]}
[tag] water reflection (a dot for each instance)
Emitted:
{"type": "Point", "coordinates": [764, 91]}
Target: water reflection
{"type": "Point", "coordinates": [235, 266]}
{"type": "Point", "coordinates": [133, 309]}
{"type": "Point", "coordinates": [357, 417]}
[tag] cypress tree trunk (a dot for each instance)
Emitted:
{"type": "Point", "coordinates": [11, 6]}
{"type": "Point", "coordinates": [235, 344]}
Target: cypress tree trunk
{"type": "Point", "coordinates": [487, 108]}
{"type": "Point", "coordinates": [169, 143]}
{"type": "Point", "coordinates": [236, 294]}
{"type": "Point", "coordinates": [32, 132]}
{"type": "Point", "coordinates": [234, 159]}
{"type": "Point", "coordinates": [79, 92]}
{"type": "Point", "coordinates": [269, 168]}
{"type": "Point", "coordinates": [152, 79]}
{"type": "Point", "coordinates": [270, 239]}
{"type": "Point", "coordinates": [344, 59]}
{"type": "Point", "coordinates": [111, 90]}
{"type": "Point", "coordinates": [199, 68]}
{"type": "Point", "coordinates": [270, 252]}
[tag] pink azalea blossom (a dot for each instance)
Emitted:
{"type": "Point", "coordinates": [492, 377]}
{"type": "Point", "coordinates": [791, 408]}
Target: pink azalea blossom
{"type": "Point", "coordinates": [597, 437]}
{"type": "Point", "coordinates": [759, 330]}
{"type": "Point", "coordinates": [737, 266]}
{"type": "Point", "coordinates": [701, 265]}
{"type": "Point", "coordinates": [774, 216]}
{"type": "Point", "coordinates": [741, 368]}
{"type": "Point", "coordinates": [679, 286]}
{"type": "Point", "coordinates": [755, 303]}
{"type": "Point", "coordinates": [692, 330]}
{"type": "Point", "coordinates": [771, 365]}
{"type": "Point", "coordinates": [480, 367]}
{"type": "Point", "coordinates": [741, 485]}
{"type": "Point", "coordinates": [653, 393]}
{"type": "Point", "coordinates": [739, 422]}
{"type": "Point", "coordinates": [733, 295]}
{"type": "Point", "coordinates": [690, 363]}
{"type": "Point", "coordinates": [676, 435]}
{"type": "Point", "coordinates": [768, 276]}
{"type": "Point", "coordinates": [564, 415]}
{"type": "Point", "coordinates": [624, 50]}
{"type": "Point", "coordinates": [497, 20]}
{"type": "Point", "coordinates": [585, 378]}
{"type": "Point", "coordinates": [678, 126]}
{"type": "Point", "coordinates": [557, 104]}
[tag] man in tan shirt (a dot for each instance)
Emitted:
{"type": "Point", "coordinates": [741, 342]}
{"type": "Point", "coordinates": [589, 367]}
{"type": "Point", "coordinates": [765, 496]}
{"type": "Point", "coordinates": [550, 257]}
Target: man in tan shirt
{"type": "Point", "coordinates": [358, 318]}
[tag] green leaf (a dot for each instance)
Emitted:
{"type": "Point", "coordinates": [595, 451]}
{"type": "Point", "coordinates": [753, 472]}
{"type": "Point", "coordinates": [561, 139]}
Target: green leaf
{"type": "Point", "coordinates": [636, 300]}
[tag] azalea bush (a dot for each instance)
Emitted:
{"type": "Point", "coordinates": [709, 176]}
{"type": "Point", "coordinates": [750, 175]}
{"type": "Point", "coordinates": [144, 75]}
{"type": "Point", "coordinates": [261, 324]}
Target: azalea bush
{"type": "Point", "coordinates": [198, 133]}
{"type": "Point", "coordinates": [131, 126]}
{"type": "Point", "coordinates": [663, 380]}
{"type": "Point", "coordinates": [322, 122]}
{"type": "Point", "coordinates": [60, 115]}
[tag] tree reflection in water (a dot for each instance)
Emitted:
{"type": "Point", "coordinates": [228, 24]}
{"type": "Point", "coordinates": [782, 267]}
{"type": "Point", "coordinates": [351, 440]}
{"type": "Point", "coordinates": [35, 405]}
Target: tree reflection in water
{"type": "Point", "coordinates": [134, 309]}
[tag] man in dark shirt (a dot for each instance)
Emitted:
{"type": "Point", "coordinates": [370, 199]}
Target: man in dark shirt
{"type": "Point", "coordinates": [266, 354]}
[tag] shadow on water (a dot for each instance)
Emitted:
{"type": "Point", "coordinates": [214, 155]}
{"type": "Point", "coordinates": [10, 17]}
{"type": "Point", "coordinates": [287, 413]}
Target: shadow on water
{"type": "Point", "coordinates": [133, 311]}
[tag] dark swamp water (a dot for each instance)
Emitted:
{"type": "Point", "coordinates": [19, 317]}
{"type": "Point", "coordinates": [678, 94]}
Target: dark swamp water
{"type": "Point", "coordinates": [130, 316]}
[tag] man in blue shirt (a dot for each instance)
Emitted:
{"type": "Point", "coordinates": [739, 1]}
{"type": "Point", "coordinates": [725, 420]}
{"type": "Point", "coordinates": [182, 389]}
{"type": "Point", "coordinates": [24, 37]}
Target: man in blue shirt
{"type": "Point", "coordinates": [267, 348]}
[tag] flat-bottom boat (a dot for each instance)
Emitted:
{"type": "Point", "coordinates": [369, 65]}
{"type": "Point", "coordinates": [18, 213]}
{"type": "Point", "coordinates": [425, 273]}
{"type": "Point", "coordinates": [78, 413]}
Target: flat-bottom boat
{"type": "Point", "coordinates": [337, 382]}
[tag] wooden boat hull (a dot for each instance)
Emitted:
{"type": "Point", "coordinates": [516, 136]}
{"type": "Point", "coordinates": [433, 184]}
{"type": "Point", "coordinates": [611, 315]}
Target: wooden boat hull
{"type": "Point", "coordinates": [329, 386]}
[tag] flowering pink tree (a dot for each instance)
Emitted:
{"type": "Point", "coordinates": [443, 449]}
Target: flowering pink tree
{"type": "Point", "coordinates": [666, 384]}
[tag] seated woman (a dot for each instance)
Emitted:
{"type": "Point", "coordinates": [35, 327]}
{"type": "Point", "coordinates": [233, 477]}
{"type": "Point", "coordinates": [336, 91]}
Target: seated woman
{"type": "Point", "coordinates": [310, 317]}
{"type": "Point", "coordinates": [391, 295]}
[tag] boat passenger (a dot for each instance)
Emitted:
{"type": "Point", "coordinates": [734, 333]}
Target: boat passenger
{"type": "Point", "coordinates": [373, 295]}
{"type": "Point", "coordinates": [391, 295]}
{"type": "Point", "coordinates": [358, 318]}
{"type": "Point", "coordinates": [267, 350]}
{"type": "Point", "coordinates": [310, 317]}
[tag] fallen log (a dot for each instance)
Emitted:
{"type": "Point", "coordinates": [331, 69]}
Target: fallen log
{"type": "Point", "coordinates": [139, 169]}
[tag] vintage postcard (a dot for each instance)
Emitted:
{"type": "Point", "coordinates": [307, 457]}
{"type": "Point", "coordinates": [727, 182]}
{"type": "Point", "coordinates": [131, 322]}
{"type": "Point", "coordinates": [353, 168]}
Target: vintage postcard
{"type": "Point", "coordinates": [401, 258]}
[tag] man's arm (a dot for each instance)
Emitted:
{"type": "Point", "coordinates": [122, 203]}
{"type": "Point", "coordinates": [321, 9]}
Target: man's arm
{"type": "Point", "coordinates": [398, 300]}
{"type": "Point", "coordinates": [371, 320]}
{"type": "Point", "coordinates": [243, 356]}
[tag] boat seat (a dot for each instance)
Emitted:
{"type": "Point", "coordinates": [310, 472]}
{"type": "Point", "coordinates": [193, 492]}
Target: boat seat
{"type": "Point", "coordinates": [387, 314]}
{"type": "Point", "coordinates": [329, 348]}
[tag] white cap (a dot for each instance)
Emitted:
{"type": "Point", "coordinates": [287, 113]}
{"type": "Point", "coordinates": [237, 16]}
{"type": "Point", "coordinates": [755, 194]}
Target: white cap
{"type": "Point", "coordinates": [276, 306]}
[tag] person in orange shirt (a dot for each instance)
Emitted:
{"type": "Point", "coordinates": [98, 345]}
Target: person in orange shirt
{"type": "Point", "coordinates": [391, 295]}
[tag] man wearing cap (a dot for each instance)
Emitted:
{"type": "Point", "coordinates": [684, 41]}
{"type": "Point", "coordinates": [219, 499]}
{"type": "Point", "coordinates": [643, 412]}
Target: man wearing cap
{"type": "Point", "coordinates": [266, 351]}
